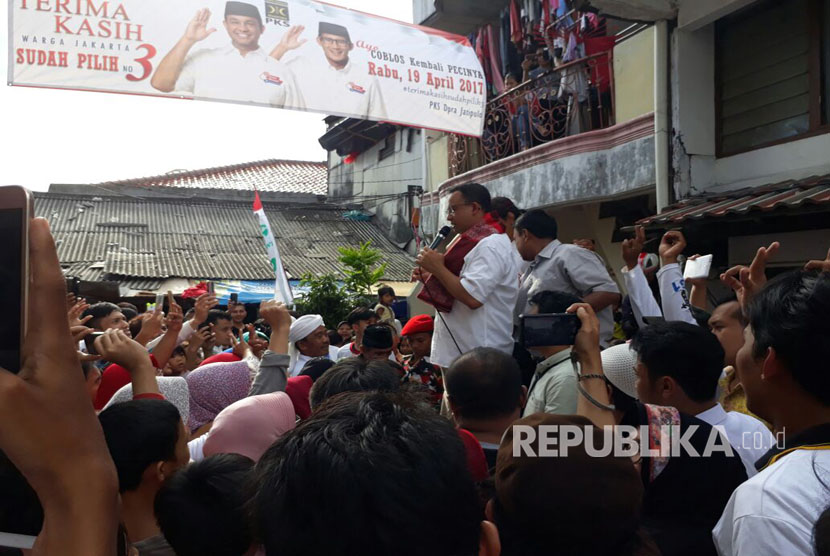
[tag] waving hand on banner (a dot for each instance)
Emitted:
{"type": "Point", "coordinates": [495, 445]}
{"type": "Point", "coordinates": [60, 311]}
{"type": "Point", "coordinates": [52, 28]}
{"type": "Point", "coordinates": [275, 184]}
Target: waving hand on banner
{"type": "Point", "coordinates": [197, 28]}
{"type": "Point", "coordinates": [290, 41]}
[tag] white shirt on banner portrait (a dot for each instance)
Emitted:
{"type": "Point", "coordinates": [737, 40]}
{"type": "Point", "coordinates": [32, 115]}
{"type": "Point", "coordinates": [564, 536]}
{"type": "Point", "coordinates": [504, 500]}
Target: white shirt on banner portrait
{"type": "Point", "coordinates": [489, 275]}
{"type": "Point", "coordinates": [224, 74]}
{"type": "Point", "coordinates": [351, 90]}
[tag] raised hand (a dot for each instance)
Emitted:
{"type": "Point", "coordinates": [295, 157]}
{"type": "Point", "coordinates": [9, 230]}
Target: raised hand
{"type": "Point", "coordinates": [586, 343]}
{"type": "Point", "coordinates": [258, 345]}
{"type": "Point", "coordinates": [200, 337]}
{"type": "Point", "coordinates": [117, 347]}
{"type": "Point", "coordinates": [289, 41]}
{"type": "Point", "coordinates": [748, 281]}
{"type": "Point", "coordinates": [631, 248]}
{"type": "Point", "coordinates": [75, 312]}
{"type": "Point", "coordinates": [151, 325]}
{"type": "Point", "coordinates": [823, 266]}
{"type": "Point", "coordinates": [240, 347]}
{"type": "Point", "coordinates": [671, 246]}
{"type": "Point", "coordinates": [275, 313]}
{"type": "Point", "coordinates": [48, 427]}
{"type": "Point", "coordinates": [204, 303]}
{"type": "Point", "coordinates": [80, 332]}
{"type": "Point", "coordinates": [175, 316]}
{"type": "Point", "coordinates": [197, 29]}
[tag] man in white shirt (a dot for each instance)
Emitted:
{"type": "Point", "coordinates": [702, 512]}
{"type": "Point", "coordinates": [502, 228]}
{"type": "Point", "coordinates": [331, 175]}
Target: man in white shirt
{"type": "Point", "coordinates": [562, 267]}
{"type": "Point", "coordinates": [307, 339]}
{"type": "Point", "coordinates": [484, 293]}
{"type": "Point", "coordinates": [240, 71]}
{"type": "Point", "coordinates": [784, 368]}
{"type": "Point", "coordinates": [333, 82]}
{"type": "Point", "coordinates": [678, 365]}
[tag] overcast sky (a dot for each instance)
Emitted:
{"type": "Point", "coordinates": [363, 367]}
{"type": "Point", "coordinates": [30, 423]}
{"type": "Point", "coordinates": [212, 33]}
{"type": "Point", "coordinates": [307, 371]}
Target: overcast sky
{"type": "Point", "coordinates": [59, 136]}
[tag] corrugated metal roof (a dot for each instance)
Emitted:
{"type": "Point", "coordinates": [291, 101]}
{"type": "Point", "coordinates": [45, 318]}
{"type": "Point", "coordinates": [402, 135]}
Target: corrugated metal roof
{"type": "Point", "coordinates": [286, 176]}
{"type": "Point", "coordinates": [792, 194]}
{"type": "Point", "coordinates": [159, 239]}
{"type": "Point", "coordinates": [95, 273]}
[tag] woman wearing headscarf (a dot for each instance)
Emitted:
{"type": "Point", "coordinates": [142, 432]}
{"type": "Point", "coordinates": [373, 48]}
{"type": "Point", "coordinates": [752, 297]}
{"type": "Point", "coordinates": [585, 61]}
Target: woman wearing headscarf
{"type": "Point", "coordinates": [248, 427]}
{"type": "Point", "coordinates": [213, 388]}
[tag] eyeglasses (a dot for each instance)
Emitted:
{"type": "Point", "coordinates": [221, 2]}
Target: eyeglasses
{"type": "Point", "coordinates": [454, 209]}
{"type": "Point", "coordinates": [328, 41]}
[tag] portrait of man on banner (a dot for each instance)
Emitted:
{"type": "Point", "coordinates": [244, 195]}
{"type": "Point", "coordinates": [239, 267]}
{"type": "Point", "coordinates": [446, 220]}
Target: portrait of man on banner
{"type": "Point", "coordinates": [240, 71]}
{"type": "Point", "coordinates": [331, 79]}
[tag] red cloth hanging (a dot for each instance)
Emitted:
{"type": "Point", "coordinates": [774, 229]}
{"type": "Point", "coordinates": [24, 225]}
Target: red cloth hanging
{"type": "Point", "coordinates": [600, 69]}
{"type": "Point", "coordinates": [495, 60]}
{"type": "Point", "coordinates": [515, 24]}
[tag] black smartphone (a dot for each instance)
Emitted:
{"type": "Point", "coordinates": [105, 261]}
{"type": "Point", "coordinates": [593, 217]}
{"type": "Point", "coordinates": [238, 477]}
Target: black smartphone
{"type": "Point", "coordinates": [551, 329]}
{"type": "Point", "coordinates": [653, 320]}
{"type": "Point", "coordinates": [16, 210]}
{"type": "Point", "coordinates": [211, 287]}
{"type": "Point", "coordinates": [234, 298]}
{"type": "Point", "coordinates": [73, 285]}
{"type": "Point", "coordinates": [90, 343]}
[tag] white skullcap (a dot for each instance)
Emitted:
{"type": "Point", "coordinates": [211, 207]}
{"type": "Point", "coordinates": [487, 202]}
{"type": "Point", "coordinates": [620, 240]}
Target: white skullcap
{"type": "Point", "coordinates": [300, 329]}
{"type": "Point", "coordinates": [618, 364]}
{"type": "Point", "coordinates": [303, 327]}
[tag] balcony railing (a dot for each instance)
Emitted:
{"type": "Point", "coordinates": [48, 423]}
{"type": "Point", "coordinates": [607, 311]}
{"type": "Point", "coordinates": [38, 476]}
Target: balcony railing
{"type": "Point", "coordinates": [568, 100]}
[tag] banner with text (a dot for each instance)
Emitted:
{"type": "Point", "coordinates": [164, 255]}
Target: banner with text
{"type": "Point", "coordinates": [293, 54]}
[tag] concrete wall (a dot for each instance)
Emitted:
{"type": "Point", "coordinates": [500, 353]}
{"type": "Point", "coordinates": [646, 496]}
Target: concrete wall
{"type": "Point", "coordinates": [581, 177]}
{"type": "Point", "coordinates": [694, 14]}
{"type": "Point", "coordinates": [367, 177]}
{"type": "Point", "coordinates": [634, 76]}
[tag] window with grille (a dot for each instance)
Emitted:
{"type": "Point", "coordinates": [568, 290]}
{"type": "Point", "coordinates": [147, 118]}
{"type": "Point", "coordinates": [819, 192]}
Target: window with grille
{"type": "Point", "coordinates": [772, 74]}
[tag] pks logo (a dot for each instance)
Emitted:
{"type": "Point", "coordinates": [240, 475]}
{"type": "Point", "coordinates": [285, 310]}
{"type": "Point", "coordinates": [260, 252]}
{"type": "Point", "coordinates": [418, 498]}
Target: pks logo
{"type": "Point", "coordinates": [270, 78]}
{"type": "Point", "coordinates": [355, 88]}
{"type": "Point", "coordinates": [276, 11]}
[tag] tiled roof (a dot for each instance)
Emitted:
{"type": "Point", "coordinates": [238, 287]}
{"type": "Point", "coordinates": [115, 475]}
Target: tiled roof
{"type": "Point", "coordinates": [284, 176]}
{"type": "Point", "coordinates": [782, 196]}
{"type": "Point", "coordinates": [159, 239]}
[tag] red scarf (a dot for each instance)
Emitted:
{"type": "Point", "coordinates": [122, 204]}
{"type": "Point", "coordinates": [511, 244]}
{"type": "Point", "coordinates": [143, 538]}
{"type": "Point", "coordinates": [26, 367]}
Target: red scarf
{"type": "Point", "coordinates": [434, 291]}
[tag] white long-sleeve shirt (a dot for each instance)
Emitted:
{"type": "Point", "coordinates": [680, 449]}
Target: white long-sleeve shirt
{"type": "Point", "coordinates": [642, 300]}
{"type": "Point", "coordinates": [676, 304]}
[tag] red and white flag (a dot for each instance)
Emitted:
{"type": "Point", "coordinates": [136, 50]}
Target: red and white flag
{"type": "Point", "coordinates": [282, 289]}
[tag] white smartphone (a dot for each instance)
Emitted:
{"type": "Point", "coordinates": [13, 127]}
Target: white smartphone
{"type": "Point", "coordinates": [698, 268]}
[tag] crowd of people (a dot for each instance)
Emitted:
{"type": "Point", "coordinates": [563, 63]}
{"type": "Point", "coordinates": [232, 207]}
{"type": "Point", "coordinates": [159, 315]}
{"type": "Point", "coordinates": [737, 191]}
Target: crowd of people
{"type": "Point", "coordinates": [214, 431]}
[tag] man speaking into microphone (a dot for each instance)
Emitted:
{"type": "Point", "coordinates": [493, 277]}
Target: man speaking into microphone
{"type": "Point", "coordinates": [473, 285]}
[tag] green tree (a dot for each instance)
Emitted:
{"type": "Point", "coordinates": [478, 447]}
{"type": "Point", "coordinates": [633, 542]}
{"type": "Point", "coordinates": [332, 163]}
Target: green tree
{"type": "Point", "coordinates": [325, 298]}
{"type": "Point", "coordinates": [362, 272]}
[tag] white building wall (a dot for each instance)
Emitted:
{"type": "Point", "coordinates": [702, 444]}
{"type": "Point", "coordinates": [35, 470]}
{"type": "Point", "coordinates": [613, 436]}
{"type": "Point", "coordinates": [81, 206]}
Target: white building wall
{"type": "Point", "coordinates": [381, 186]}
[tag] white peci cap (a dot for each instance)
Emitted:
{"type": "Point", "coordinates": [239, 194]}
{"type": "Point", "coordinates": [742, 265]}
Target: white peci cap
{"type": "Point", "coordinates": [618, 364]}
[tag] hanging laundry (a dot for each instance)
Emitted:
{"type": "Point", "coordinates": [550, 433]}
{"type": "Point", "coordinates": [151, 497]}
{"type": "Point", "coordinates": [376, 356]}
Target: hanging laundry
{"type": "Point", "coordinates": [495, 63]}
{"type": "Point", "coordinates": [600, 67]}
{"type": "Point", "coordinates": [570, 53]}
{"type": "Point", "coordinates": [515, 23]}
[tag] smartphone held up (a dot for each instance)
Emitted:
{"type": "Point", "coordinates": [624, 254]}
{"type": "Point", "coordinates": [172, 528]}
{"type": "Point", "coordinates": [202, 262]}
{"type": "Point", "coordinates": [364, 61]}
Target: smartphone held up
{"type": "Point", "coordinates": [16, 210]}
{"type": "Point", "coordinates": [553, 329]}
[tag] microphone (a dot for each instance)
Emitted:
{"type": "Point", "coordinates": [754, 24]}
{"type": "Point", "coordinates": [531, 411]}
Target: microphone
{"type": "Point", "coordinates": [442, 235]}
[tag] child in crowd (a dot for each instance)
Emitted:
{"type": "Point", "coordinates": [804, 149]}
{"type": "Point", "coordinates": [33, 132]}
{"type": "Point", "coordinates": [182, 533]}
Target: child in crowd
{"type": "Point", "coordinates": [418, 332]}
{"type": "Point", "coordinates": [386, 297]}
